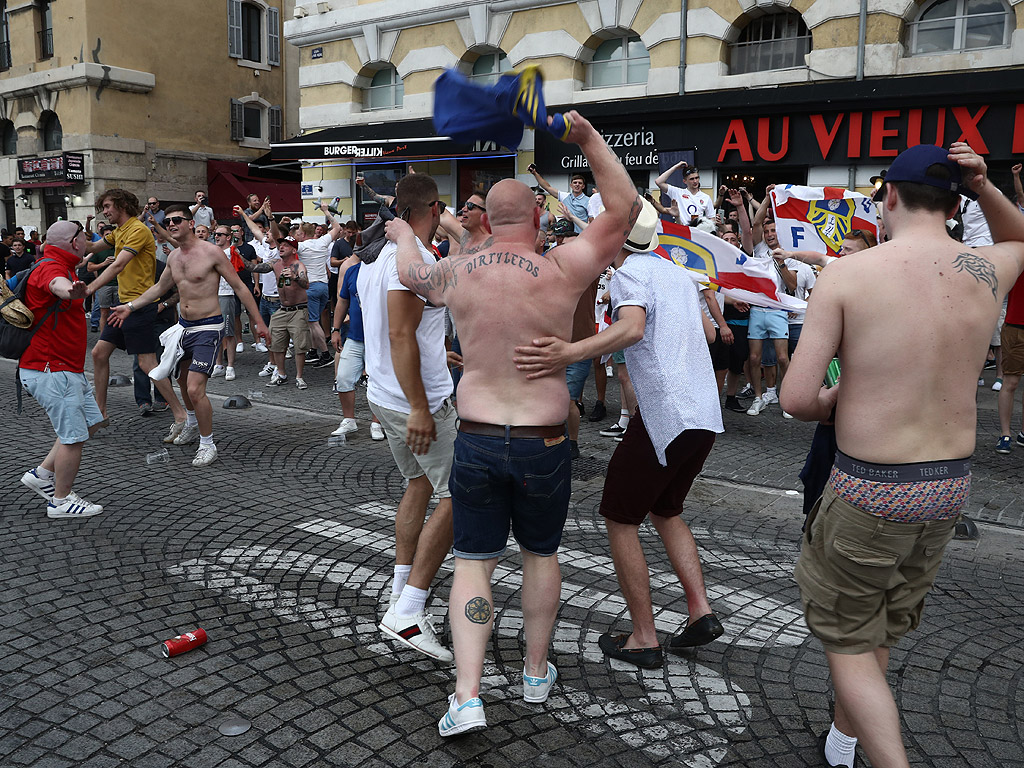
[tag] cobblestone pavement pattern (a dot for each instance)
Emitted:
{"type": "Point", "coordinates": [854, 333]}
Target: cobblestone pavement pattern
{"type": "Point", "coordinates": [282, 551]}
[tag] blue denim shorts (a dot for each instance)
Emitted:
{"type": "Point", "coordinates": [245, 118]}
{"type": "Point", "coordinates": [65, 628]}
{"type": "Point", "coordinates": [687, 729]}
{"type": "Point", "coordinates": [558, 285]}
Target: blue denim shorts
{"type": "Point", "coordinates": [67, 399]}
{"type": "Point", "coordinates": [317, 296]}
{"type": "Point", "coordinates": [767, 324]}
{"type": "Point", "coordinates": [499, 483]}
{"type": "Point", "coordinates": [576, 377]}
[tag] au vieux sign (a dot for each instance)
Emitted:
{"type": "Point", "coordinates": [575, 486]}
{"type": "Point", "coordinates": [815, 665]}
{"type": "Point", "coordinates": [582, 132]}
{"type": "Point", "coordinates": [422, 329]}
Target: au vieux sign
{"type": "Point", "coordinates": [839, 137]}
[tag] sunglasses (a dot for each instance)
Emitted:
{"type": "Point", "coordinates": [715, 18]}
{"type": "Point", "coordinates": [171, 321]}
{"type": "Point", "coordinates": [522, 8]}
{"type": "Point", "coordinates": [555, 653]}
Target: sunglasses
{"type": "Point", "coordinates": [468, 206]}
{"type": "Point", "coordinates": [220, 234]}
{"type": "Point", "coordinates": [153, 202]}
{"type": "Point", "coordinates": [80, 230]}
{"type": "Point", "coordinates": [176, 220]}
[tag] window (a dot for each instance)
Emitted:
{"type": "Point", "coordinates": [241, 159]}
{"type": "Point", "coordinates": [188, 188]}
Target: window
{"type": "Point", "coordinates": [45, 29]}
{"type": "Point", "coordinates": [953, 26]}
{"type": "Point", "coordinates": [488, 67]}
{"type": "Point", "coordinates": [5, 38]}
{"type": "Point", "coordinates": [254, 122]}
{"type": "Point", "coordinates": [620, 61]}
{"type": "Point", "coordinates": [778, 40]}
{"type": "Point", "coordinates": [385, 91]}
{"type": "Point", "coordinates": [254, 32]}
{"type": "Point", "coordinates": [53, 134]}
{"type": "Point", "coordinates": [8, 138]}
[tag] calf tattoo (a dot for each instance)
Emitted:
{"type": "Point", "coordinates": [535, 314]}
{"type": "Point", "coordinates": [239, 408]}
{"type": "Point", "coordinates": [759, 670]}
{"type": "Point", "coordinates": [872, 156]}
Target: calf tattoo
{"type": "Point", "coordinates": [979, 268]}
{"type": "Point", "coordinates": [478, 610]}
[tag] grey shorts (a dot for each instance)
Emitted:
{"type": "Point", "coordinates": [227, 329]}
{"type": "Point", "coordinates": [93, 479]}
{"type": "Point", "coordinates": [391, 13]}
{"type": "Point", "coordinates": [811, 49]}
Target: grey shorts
{"type": "Point", "coordinates": [436, 464]}
{"type": "Point", "coordinates": [106, 296]}
{"type": "Point", "coordinates": [229, 311]}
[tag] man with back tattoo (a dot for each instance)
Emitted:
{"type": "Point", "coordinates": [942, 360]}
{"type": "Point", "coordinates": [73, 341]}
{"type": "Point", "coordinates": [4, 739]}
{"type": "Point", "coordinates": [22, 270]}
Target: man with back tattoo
{"type": "Point", "coordinates": [511, 465]}
{"type": "Point", "coordinates": [874, 541]}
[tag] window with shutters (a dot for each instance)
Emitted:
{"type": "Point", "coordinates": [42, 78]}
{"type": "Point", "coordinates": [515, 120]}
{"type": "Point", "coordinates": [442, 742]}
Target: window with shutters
{"type": "Point", "coordinates": [255, 122]}
{"type": "Point", "coordinates": [254, 33]}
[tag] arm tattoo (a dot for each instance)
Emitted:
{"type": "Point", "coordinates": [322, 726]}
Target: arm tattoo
{"type": "Point", "coordinates": [634, 214]}
{"type": "Point", "coordinates": [478, 610]}
{"type": "Point", "coordinates": [426, 278]}
{"type": "Point", "coordinates": [979, 268]}
{"type": "Point", "coordinates": [265, 266]}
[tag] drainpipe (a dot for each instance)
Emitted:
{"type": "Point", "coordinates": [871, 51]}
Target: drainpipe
{"type": "Point", "coordinates": [682, 45]}
{"type": "Point", "coordinates": [862, 39]}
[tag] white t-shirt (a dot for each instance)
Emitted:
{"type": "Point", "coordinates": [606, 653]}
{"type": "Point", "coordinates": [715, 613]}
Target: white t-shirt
{"type": "Point", "coordinates": [374, 283]}
{"type": "Point", "coordinates": [976, 231]}
{"type": "Point", "coordinates": [719, 297]}
{"type": "Point", "coordinates": [268, 280]}
{"type": "Point", "coordinates": [224, 288]}
{"type": "Point", "coordinates": [594, 206]}
{"type": "Point", "coordinates": [671, 365]}
{"type": "Point", "coordinates": [314, 254]}
{"type": "Point", "coordinates": [805, 279]}
{"type": "Point", "coordinates": [691, 203]}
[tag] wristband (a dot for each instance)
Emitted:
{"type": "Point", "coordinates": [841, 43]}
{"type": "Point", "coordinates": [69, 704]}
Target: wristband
{"type": "Point", "coordinates": [335, 330]}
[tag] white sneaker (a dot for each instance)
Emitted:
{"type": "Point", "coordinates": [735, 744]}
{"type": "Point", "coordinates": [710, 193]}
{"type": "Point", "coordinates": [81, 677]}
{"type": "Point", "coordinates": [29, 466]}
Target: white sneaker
{"type": "Point", "coordinates": [218, 370]}
{"type": "Point", "coordinates": [206, 455]}
{"type": "Point", "coordinates": [73, 506]}
{"type": "Point", "coordinates": [300, 383]}
{"type": "Point", "coordinates": [787, 415]}
{"type": "Point", "coordinates": [416, 632]}
{"type": "Point", "coordinates": [346, 426]}
{"type": "Point", "coordinates": [188, 435]}
{"type": "Point", "coordinates": [997, 385]}
{"type": "Point", "coordinates": [267, 369]}
{"type": "Point", "coordinates": [259, 346]}
{"type": "Point", "coordinates": [38, 484]}
{"type": "Point", "coordinates": [376, 431]}
{"type": "Point", "coordinates": [277, 378]}
{"type": "Point", "coordinates": [536, 689]}
{"type": "Point", "coordinates": [747, 391]}
{"type": "Point", "coordinates": [239, 347]}
{"type": "Point", "coordinates": [289, 354]}
{"type": "Point", "coordinates": [981, 382]}
{"type": "Point", "coordinates": [175, 430]}
{"type": "Point", "coordinates": [755, 407]}
{"type": "Point", "coordinates": [462, 718]}
{"type": "Point", "coordinates": [769, 397]}
{"type": "Point", "coordinates": [229, 374]}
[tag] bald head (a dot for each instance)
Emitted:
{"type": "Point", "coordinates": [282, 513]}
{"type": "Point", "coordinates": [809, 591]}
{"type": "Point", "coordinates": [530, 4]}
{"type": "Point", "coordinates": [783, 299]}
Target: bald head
{"type": "Point", "coordinates": [64, 235]}
{"type": "Point", "coordinates": [510, 202]}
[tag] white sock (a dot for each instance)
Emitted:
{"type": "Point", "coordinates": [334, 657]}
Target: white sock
{"type": "Point", "coordinates": [44, 473]}
{"type": "Point", "coordinates": [206, 439]}
{"type": "Point", "coordinates": [411, 602]}
{"type": "Point", "coordinates": [190, 419]}
{"type": "Point", "coordinates": [57, 502]}
{"type": "Point", "coordinates": [623, 418]}
{"type": "Point", "coordinates": [401, 576]}
{"type": "Point", "coordinates": [840, 748]}
{"type": "Point", "coordinates": [770, 390]}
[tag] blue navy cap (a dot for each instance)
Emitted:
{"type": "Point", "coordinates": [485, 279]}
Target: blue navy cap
{"type": "Point", "coordinates": [912, 165]}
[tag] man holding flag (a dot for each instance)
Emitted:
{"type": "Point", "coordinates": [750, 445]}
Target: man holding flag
{"type": "Point", "coordinates": [874, 541]}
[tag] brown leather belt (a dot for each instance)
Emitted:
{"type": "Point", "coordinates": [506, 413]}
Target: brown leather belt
{"type": "Point", "coordinates": [498, 430]}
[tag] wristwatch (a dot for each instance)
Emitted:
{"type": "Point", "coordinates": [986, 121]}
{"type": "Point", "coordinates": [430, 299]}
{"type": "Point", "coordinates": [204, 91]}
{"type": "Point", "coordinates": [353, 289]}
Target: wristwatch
{"type": "Point", "coordinates": [131, 307]}
{"type": "Point", "coordinates": [335, 330]}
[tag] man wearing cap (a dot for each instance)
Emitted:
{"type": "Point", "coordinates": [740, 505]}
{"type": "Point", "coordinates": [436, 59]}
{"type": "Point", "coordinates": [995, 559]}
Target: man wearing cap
{"type": "Point", "coordinates": [657, 320]}
{"type": "Point", "coordinates": [874, 541]}
{"type": "Point", "coordinates": [511, 468]}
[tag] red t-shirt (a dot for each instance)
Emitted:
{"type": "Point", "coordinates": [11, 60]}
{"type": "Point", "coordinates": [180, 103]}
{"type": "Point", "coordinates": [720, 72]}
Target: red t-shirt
{"type": "Point", "coordinates": [63, 347]}
{"type": "Point", "coordinates": [1015, 303]}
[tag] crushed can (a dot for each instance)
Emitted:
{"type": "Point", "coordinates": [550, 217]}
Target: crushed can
{"type": "Point", "coordinates": [184, 642]}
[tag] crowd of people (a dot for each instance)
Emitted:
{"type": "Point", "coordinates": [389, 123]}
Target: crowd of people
{"type": "Point", "coordinates": [479, 398]}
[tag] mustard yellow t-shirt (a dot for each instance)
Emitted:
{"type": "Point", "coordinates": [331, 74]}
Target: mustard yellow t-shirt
{"type": "Point", "coordinates": [140, 273]}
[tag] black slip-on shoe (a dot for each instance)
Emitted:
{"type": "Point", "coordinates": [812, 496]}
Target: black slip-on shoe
{"type": "Point", "coordinates": [646, 658]}
{"type": "Point", "coordinates": [824, 760]}
{"type": "Point", "coordinates": [701, 632]}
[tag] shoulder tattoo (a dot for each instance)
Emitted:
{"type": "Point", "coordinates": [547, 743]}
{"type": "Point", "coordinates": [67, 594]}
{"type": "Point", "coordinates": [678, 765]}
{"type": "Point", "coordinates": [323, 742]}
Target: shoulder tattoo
{"type": "Point", "coordinates": [979, 268]}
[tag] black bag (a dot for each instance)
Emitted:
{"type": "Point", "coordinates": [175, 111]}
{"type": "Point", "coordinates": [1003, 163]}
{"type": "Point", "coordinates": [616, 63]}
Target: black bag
{"type": "Point", "coordinates": [14, 340]}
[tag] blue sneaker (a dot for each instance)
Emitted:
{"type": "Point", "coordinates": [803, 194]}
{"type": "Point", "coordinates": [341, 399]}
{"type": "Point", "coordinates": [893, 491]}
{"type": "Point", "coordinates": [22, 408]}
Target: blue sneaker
{"type": "Point", "coordinates": [1003, 446]}
{"type": "Point", "coordinates": [462, 718]}
{"type": "Point", "coordinates": [536, 689]}
{"type": "Point", "coordinates": [1020, 438]}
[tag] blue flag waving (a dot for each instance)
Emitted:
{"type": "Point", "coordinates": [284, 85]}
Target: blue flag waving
{"type": "Point", "coordinates": [468, 112]}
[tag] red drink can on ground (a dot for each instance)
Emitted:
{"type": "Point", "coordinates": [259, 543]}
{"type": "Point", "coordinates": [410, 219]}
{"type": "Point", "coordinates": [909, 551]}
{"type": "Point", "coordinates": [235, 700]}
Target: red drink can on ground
{"type": "Point", "coordinates": [184, 642]}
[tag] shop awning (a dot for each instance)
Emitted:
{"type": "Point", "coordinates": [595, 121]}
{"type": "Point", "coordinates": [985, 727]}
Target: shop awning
{"type": "Point", "coordinates": [393, 142]}
{"type": "Point", "coordinates": [229, 183]}
{"type": "Point", "coordinates": [44, 184]}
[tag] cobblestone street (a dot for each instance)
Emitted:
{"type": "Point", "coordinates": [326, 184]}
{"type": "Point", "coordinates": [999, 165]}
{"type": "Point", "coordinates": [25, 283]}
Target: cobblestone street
{"type": "Point", "coordinates": [283, 549]}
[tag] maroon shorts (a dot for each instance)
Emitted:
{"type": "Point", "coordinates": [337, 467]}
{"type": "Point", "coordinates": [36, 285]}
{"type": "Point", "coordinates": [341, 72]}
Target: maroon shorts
{"type": "Point", "coordinates": [637, 484]}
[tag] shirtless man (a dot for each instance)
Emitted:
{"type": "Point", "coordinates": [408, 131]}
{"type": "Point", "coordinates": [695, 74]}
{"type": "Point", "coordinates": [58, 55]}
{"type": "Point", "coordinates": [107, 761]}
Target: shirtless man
{"type": "Point", "coordinates": [504, 414]}
{"type": "Point", "coordinates": [196, 267]}
{"type": "Point", "coordinates": [290, 321]}
{"type": "Point", "coordinates": [874, 541]}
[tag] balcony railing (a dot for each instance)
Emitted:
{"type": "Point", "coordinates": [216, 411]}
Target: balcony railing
{"type": "Point", "coordinates": [5, 56]}
{"type": "Point", "coordinates": [46, 44]}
